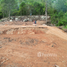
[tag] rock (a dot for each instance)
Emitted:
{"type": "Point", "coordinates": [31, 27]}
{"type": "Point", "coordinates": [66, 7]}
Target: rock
{"type": "Point", "coordinates": [36, 16]}
{"type": "Point", "coordinates": [52, 45]}
{"type": "Point", "coordinates": [43, 17]}
{"type": "Point", "coordinates": [16, 19]}
{"type": "Point", "coordinates": [10, 20]}
{"type": "Point", "coordinates": [44, 25]}
{"type": "Point", "coordinates": [25, 20]}
{"type": "Point", "coordinates": [56, 66]}
{"type": "Point", "coordinates": [48, 17]}
{"type": "Point", "coordinates": [30, 20]}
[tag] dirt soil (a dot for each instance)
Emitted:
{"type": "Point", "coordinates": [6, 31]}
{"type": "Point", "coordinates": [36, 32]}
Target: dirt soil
{"type": "Point", "coordinates": [37, 46]}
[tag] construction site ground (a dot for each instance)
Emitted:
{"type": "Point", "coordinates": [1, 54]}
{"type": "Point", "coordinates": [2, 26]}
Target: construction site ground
{"type": "Point", "coordinates": [32, 46]}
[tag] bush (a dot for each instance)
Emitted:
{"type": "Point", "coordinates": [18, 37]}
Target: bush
{"type": "Point", "coordinates": [58, 18]}
{"type": "Point", "coordinates": [65, 19]}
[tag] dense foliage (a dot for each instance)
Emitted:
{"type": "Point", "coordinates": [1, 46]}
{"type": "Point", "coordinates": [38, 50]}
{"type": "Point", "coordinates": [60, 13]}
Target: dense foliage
{"type": "Point", "coordinates": [57, 9]}
{"type": "Point", "coordinates": [1, 14]}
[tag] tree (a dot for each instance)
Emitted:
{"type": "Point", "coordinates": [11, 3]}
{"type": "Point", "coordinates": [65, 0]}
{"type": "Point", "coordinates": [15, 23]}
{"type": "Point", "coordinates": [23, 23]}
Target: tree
{"type": "Point", "coordinates": [8, 6]}
{"type": "Point", "coordinates": [46, 9]}
{"type": "Point", "coordinates": [1, 15]}
{"type": "Point", "coordinates": [60, 5]}
{"type": "Point", "coordinates": [45, 4]}
{"type": "Point", "coordinates": [39, 9]}
{"type": "Point", "coordinates": [22, 9]}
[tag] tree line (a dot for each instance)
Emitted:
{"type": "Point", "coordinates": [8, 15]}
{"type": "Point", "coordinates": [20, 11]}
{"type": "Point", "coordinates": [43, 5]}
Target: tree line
{"type": "Point", "coordinates": [57, 9]}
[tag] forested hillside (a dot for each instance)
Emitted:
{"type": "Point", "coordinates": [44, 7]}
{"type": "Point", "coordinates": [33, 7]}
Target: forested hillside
{"type": "Point", "coordinates": [57, 9]}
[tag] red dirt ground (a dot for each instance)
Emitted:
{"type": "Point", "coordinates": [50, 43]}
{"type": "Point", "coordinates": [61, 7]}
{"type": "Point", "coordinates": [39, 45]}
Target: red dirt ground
{"type": "Point", "coordinates": [43, 49]}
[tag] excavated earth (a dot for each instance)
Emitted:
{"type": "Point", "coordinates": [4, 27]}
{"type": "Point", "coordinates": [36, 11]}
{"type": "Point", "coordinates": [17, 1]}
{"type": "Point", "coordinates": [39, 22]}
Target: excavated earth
{"type": "Point", "coordinates": [32, 46]}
